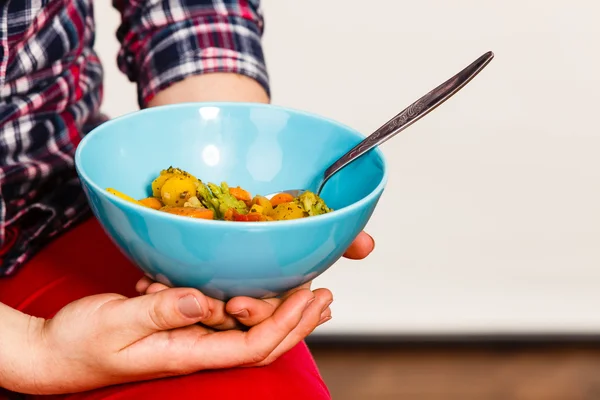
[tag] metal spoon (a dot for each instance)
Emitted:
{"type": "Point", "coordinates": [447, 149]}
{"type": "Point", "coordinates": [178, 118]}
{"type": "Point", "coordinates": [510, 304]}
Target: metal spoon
{"type": "Point", "coordinates": [410, 115]}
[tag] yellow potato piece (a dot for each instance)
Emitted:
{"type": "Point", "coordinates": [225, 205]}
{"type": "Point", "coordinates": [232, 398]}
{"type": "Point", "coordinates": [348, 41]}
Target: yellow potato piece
{"type": "Point", "coordinates": [286, 211]}
{"type": "Point", "coordinates": [165, 175]}
{"type": "Point", "coordinates": [177, 190]}
{"type": "Point", "coordinates": [158, 183]}
{"type": "Point", "coordinates": [267, 207]}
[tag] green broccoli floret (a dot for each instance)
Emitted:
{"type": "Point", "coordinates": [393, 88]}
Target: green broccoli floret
{"type": "Point", "coordinates": [207, 199]}
{"type": "Point", "coordinates": [312, 204]}
{"type": "Point", "coordinates": [219, 200]}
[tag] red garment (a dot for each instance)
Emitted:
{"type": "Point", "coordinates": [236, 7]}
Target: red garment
{"type": "Point", "coordinates": [84, 262]}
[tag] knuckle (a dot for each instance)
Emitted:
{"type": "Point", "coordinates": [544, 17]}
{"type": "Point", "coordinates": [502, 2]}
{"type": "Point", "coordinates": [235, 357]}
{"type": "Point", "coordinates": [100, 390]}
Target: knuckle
{"type": "Point", "coordinates": [217, 318]}
{"type": "Point", "coordinates": [158, 318]}
{"type": "Point", "coordinates": [259, 356]}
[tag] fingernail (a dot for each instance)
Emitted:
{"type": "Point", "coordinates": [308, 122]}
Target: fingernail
{"type": "Point", "coordinates": [189, 306]}
{"type": "Point", "coordinates": [323, 320]}
{"type": "Point", "coordinates": [309, 302]}
{"type": "Point", "coordinates": [326, 306]}
{"type": "Point", "coordinates": [243, 313]}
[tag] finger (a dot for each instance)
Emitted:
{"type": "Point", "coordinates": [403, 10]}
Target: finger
{"type": "Point", "coordinates": [218, 318]}
{"type": "Point", "coordinates": [155, 287]}
{"type": "Point", "coordinates": [142, 285]}
{"type": "Point", "coordinates": [289, 292]}
{"type": "Point", "coordinates": [325, 315]}
{"type": "Point", "coordinates": [138, 317]}
{"type": "Point", "coordinates": [235, 348]}
{"type": "Point", "coordinates": [249, 311]}
{"type": "Point", "coordinates": [362, 246]}
{"type": "Point", "coordinates": [311, 318]}
{"type": "Point", "coordinates": [190, 349]}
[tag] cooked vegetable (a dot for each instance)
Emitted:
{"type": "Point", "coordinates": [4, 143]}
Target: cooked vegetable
{"type": "Point", "coordinates": [123, 196]}
{"type": "Point", "coordinates": [220, 200]}
{"type": "Point", "coordinates": [240, 194]}
{"type": "Point", "coordinates": [281, 198]}
{"type": "Point", "coordinates": [193, 202]}
{"type": "Point", "coordinates": [290, 210]}
{"type": "Point", "coordinates": [264, 203]}
{"type": "Point", "coordinates": [178, 192]}
{"type": "Point", "coordinates": [158, 183]}
{"type": "Point", "coordinates": [193, 212]}
{"type": "Point", "coordinates": [152, 202]}
{"type": "Point", "coordinates": [312, 204]}
{"type": "Point", "coordinates": [166, 174]}
{"type": "Point", "coordinates": [250, 217]}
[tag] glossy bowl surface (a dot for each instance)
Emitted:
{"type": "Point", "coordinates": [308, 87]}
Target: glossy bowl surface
{"type": "Point", "coordinates": [262, 148]}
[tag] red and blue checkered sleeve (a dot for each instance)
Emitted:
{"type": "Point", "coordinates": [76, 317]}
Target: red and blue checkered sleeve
{"type": "Point", "coordinates": [165, 41]}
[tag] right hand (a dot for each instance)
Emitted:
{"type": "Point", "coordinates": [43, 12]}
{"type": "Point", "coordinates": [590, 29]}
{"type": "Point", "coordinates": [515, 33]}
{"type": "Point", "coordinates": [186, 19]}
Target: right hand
{"type": "Point", "coordinates": [109, 339]}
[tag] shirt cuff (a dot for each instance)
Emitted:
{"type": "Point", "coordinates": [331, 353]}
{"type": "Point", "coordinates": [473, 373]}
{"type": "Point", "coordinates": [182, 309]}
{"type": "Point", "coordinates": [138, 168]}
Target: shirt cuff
{"type": "Point", "coordinates": [193, 47]}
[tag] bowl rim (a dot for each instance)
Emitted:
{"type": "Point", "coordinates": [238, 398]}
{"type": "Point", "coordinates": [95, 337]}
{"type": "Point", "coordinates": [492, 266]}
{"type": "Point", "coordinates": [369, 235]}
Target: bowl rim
{"type": "Point", "coordinates": [339, 213]}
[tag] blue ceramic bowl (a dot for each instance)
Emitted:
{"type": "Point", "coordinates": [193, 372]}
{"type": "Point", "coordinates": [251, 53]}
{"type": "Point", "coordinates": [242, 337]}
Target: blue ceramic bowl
{"type": "Point", "coordinates": [262, 148]}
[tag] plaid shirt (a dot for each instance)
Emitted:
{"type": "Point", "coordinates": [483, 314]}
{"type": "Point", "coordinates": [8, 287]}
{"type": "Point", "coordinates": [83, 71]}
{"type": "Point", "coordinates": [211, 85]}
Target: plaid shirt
{"type": "Point", "coordinates": [51, 90]}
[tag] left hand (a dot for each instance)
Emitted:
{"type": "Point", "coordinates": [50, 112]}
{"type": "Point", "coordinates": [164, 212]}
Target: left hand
{"type": "Point", "coordinates": [246, 311]}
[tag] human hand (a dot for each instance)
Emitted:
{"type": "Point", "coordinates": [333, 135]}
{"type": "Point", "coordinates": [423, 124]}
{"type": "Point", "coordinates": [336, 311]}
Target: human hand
{"type": "Point", "coordinates": [109, 339]}
{"type": "Point", "coordinates": [249, 311]}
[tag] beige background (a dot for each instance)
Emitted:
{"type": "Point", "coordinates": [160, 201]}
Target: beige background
{"type": "Point", "coordinates": [491, 222]}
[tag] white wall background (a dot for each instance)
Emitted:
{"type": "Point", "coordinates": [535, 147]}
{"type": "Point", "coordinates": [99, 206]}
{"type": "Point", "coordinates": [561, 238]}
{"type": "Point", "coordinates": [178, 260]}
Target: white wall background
{"type": "Point", "coordinates": [491, 222]}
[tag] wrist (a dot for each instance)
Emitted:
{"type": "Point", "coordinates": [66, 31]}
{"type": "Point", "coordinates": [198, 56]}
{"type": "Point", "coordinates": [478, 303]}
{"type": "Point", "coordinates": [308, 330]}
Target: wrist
{"type": "Point", "coordinates": [216, 86]}
{"type": "Point", "coordinates": [20, 336]}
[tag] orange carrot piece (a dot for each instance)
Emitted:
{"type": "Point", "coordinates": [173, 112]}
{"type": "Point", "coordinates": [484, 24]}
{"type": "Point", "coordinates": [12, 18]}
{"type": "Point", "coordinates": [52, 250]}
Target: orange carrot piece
{"type": "Point", "coordinates": [192, 212]}
{"type": "Point", "coordinates": [281, 198]}
{"type": "Point", "coordinates": [152, 202]}
{"type": "Point", "coordinates": [240, 194]}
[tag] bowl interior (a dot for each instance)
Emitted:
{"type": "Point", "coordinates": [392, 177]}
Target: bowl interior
{"type": "Point", "coordinates": [261, 148]}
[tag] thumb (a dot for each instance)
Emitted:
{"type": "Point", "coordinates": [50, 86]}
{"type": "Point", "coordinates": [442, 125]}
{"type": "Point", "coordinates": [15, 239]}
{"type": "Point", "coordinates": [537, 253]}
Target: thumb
{"type": "Point", "coordinates": [161, 311]}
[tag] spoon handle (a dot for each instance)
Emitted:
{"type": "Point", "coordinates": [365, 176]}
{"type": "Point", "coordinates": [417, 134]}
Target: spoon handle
{"type": "Point", "coordinates": [411, 114]}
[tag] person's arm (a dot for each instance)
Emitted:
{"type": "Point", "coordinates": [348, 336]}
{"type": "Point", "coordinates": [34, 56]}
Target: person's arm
{"type": "Point", "coordinates": [194, 50]}
{"type": "Point", "coordinates": [212, 87]}
{"type": "Point", "coordinates": [18, 339]}
{"type": "Point", "coordinates": [108, 339]}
